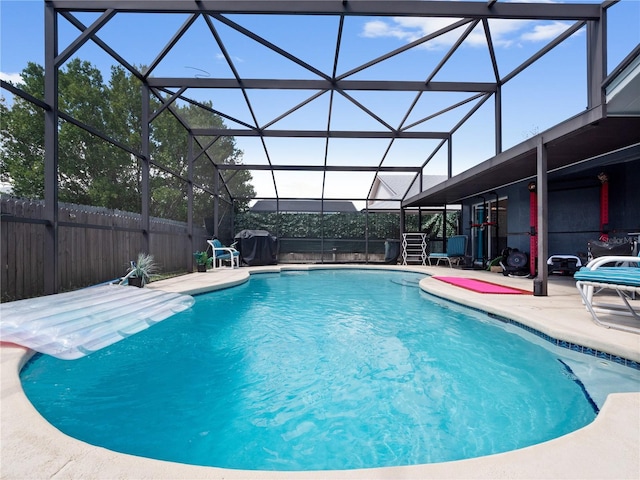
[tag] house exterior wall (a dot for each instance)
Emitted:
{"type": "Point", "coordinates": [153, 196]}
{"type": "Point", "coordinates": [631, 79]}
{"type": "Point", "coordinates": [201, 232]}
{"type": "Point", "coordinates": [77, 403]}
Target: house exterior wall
{"type": "Point", "coordinates": [574, 208]}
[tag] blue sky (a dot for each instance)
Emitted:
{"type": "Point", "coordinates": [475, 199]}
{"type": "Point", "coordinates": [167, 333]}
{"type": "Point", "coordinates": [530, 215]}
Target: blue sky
{"type": "Point", "coordinates": [556, 82]}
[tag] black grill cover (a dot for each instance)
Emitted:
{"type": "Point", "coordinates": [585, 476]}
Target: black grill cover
{"type": "Point", "coordinates": [605, 249]}
{"type": "Point", "coordinates": [257, 247]}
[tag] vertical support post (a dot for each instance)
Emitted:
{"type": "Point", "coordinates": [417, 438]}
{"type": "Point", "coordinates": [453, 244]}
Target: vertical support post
{"type": "Point", "coordinates": [216, 203]}
{"type": "Point", "coordinates": [402, 222]}
{"type": "Point", "coordinates": [484, 231]}
{"type": "Point", "coordinates": [420, 209]}
{"type": "Point", "coordinates": [596, 59]}
{"type": "Point", "coordinates": [278, 218]}
{"type": "Point", "coordinates": [190, 204]}
{"type": "Point", "coordinates": [145, 187]}
{"type": "Point", "coordinates": [533, 225]}
{"type": "Point", "coordinates": [444, 227]}
{"type": "Point", "coordinates": [496, 226]}
{"type": "Point", "coordinates": [498, 119]}
{"type": "Point", "coordinates": [541, 281]}
{"type": "Point", "coordinates": [604, 207]}
{"type": "Point", "coordinates": [51, 274]}
{"type": "Point", "coordinates": [322, 230]}
{"type": "Point", "coordinates": [366, 236]}
{"type": "Point", "coordinates": [450, 157]}
{"type": "Point", "coordinates": [232, 214]}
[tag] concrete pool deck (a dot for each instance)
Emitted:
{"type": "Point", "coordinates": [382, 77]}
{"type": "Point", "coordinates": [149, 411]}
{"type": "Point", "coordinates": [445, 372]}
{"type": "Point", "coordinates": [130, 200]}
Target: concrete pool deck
{"type": "Point", "coordinates": [608, 448]}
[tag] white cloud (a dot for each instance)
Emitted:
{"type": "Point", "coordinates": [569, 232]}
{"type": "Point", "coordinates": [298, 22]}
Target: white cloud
{"type": "Point", "coordinates": [546, 32]}
{"type": "Point", "coordinates": [378, 28]}
{"type": "Point", "coordinates": [504, 33]}
{"type": "Point", "coordinates": [14, 78]}
{"type": "Point", "coordinates": [220, 56]}
{"type": "Point", "coordinates": [409, 29]}
{"type": "Point", "coordinates": [5, 187]}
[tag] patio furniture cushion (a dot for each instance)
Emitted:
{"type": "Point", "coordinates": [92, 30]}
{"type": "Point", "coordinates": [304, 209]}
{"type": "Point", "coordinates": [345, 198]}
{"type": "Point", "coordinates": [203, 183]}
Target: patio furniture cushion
{"type": "Point", "coordinates": [221, 253]}
{"type": "Point", "coordinates": [456, 248]}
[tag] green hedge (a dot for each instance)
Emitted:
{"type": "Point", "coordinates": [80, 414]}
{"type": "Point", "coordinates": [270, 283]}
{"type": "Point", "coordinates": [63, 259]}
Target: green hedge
{"type": "Point", "coordinates": [343, 225]}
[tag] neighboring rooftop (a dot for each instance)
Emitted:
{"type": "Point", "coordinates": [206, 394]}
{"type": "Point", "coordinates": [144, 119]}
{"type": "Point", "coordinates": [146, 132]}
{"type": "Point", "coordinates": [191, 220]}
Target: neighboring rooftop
{"type": "Point", "coordinates": [390, 189]}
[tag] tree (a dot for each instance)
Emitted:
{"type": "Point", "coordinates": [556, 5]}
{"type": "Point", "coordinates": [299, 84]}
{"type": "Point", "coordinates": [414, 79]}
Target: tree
{"type": "Point", "coordinates": [169, 193]}
{"type": "Point", "coordinates": [88, 173]}
{"type": "Point", "coordinates": [123, 122]}
{"type": "Point", "coordinates": [95, 172]}
{"type": "Point", "coordinates": [22, 129]}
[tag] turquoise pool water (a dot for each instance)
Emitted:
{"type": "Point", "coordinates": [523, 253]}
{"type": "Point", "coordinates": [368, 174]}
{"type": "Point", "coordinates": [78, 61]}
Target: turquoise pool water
{"type": "Point", "coordinates": [318, 370]}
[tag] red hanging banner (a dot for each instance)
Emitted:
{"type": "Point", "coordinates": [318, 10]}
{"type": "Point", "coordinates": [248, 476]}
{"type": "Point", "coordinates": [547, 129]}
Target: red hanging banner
{"type": "Point", "coordinates": [604, 207]}
{"type": "Point", "coordinates": [533, 224]}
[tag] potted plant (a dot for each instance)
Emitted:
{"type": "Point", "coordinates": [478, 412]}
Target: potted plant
{"type": "Point", "coordinates": [141, 270]}
{"type": "Point", "coordinates": [203, 261]}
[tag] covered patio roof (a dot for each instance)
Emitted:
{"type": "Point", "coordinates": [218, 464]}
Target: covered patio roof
{"type": "Point", "coordinates": [587, 139]}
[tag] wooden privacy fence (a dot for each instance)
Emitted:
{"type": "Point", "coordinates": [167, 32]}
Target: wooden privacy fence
{"type": "Point", "coordinates": [94, 245]}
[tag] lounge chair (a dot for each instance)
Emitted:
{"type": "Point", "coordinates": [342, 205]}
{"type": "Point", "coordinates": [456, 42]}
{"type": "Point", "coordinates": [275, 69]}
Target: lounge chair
{"type": "Point", "coordinates": [623, 278]}
{"type": "Point", "coordinates": [222, 254]}
{"type": "Point", "coordinates": [456, 248]}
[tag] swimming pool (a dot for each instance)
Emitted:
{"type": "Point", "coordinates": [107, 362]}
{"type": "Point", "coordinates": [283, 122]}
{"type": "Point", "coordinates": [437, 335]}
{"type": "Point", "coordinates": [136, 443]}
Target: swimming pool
{"type": "Point", "coordinates": [383, 372]}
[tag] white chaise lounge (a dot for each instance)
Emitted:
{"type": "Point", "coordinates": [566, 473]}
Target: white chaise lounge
{"type": "Point", "coordinates": [618, 273]}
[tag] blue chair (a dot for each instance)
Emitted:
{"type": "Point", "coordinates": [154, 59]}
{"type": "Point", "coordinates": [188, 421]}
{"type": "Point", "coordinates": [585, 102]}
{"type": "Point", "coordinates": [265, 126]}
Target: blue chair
{"type": "Point", "coordinates": [222, 253]}
{"type": "Point", "coordinates": [623, 278]}
{"type": "Point", "coordinates": [456, 248]}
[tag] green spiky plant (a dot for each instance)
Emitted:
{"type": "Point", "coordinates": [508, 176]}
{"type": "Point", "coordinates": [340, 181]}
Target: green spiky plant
{"type": "Point", "coordinates": [144, 267]}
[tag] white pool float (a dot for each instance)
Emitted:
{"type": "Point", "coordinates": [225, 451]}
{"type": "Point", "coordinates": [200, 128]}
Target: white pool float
{"type": "Point", "coordinates": [74, 324]}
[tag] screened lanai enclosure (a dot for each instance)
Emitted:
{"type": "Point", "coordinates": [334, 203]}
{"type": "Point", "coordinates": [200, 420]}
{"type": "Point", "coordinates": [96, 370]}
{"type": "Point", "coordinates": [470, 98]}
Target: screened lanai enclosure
{"type": "Point", "coordinates": [162, 123]}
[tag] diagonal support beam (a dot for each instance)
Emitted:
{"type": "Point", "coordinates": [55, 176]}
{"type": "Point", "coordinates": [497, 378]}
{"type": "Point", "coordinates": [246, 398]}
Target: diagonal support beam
{"type": "Point", "coordinates": [84, 37]}
{"type": "Point", "coordinates": [176, 37]}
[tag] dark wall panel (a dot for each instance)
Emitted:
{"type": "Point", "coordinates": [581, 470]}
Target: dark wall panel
{"type": "Point", "coordinates": [574, 208]}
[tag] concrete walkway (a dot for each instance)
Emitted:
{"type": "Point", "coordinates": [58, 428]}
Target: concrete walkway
{"type": "Point", "coordinates": [608, 448]}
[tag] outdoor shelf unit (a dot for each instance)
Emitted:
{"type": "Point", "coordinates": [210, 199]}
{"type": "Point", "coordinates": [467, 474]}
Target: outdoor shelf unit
{"type": "Point", "coordinates": [414, 248]}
